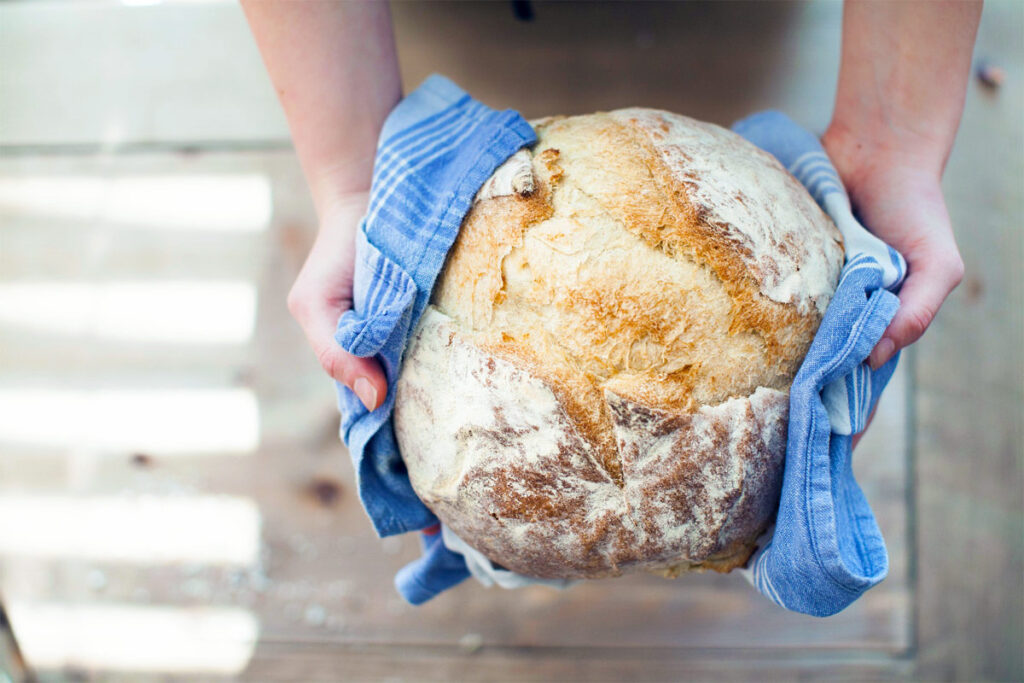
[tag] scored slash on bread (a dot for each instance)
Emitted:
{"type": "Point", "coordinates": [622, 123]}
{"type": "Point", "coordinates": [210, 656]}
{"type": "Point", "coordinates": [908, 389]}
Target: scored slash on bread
{"type": "Point", "coordinates": [600, 383]}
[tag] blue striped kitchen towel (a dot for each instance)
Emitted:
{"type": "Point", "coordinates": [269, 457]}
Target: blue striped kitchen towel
{"type": "Point", "coordinates": [826, 549]}
{"type": "Point", "coordinates": [436, 149]}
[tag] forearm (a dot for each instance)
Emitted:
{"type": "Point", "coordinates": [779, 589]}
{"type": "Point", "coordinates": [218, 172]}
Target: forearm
{"type": "Point", "coordinates": [334, 68]}
{"type": "Point", "coordinates": [903, 77]}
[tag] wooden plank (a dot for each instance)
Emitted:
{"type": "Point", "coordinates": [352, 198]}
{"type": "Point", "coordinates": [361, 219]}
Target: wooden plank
{"type": "Point", "coordinates": [321, 589]}
{"type": "Point", "coordinates": [324, 661]}
{"type": "Point", "coordinates": [322, 575]}
{"type": "Point", "coordinates": [970, 395]}
{"type": "Point", "coordinates": [99, 74]}
{"type": "Point", "coordinates": [713, 61]}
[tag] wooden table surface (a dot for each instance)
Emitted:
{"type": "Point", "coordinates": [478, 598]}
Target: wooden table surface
{"type": "Point", "coordinates": [174, 501]}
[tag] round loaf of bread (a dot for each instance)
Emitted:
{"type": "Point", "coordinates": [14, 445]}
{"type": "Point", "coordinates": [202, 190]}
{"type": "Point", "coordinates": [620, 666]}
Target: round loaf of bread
{"type": "Point", "coordinates": [600, 384]}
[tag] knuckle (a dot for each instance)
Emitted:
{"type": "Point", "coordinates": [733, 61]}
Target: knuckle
{"type": "Point", "coordinates": [296, 303]}
{"type": "Point", "coordinates": [329, 361]}
{"type": "Point", "coordinates": [955, 269]}
{"type": "Point", "coordinates": [336, 363]}
{"type": "Point", "coordinates": [947, 266]}
{"type": "Point", "coordinates": [916, 321]}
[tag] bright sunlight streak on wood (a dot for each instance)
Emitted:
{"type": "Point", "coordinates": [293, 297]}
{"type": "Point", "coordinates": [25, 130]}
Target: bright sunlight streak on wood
{"type": "Point", "coordinates": [142, 529]}
{"type": "Point", "coordinates": [215, 202]}
{"type": "Point", "coordinates": [159, 421]}
{"type": "Point", "coordinates": [116, 637]}
{"type": "Point", "coordinates": [185, 312]}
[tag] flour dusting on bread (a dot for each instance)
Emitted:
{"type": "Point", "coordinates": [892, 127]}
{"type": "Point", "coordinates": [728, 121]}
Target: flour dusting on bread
{"type": "Point", "coordinates": [600, 383]}
{"type": "Point", "coordinates": [499, 459]}
{"type": "Point", "coordinates": [746, 192]}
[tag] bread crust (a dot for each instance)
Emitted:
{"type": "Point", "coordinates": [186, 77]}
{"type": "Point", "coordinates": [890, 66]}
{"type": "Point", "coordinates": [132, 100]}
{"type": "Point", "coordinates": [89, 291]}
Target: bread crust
{"type": "Point", "coordinates": [600, 383]}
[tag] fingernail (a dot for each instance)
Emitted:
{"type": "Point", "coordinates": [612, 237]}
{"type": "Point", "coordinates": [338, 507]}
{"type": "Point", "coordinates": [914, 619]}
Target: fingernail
{"type": "Point", "coordinates": [366, 393]}
{"type": "Point", "coordinates": [882, 353]}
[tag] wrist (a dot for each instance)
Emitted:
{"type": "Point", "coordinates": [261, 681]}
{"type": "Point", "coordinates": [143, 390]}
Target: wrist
{"type": "Point", "coordinates": [862, 152]}
{"type": "Point", "coordinates": [336, 187]}
{"type": "Point", "coordinates": [342, 205]}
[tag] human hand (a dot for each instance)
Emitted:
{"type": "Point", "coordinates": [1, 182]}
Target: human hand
{"type": "Point", "coordinates": [335, 70]}
{"type": "Point", "coordinates": [323, 291]}
{"type": "Point", "coordinates": [898, 197]}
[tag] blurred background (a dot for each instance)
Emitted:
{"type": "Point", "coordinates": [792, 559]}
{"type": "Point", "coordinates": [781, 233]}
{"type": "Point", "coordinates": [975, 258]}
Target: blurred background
{"type": "Point", "coordinates": [174, 500]}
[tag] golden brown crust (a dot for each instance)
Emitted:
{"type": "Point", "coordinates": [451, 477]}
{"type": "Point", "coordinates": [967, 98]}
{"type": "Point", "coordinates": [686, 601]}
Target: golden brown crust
{"type": "Point", "coordinates": [698, 332]}
{"type": "Point", "coordinates": [498, 458]}
{"type": "Point", "coordinates": [640, 297]}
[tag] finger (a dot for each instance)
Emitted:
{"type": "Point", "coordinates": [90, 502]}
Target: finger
{"type": "Point", "coordinates": [364, 376]}
{"type": "Point", "coordinates": [932, 277]}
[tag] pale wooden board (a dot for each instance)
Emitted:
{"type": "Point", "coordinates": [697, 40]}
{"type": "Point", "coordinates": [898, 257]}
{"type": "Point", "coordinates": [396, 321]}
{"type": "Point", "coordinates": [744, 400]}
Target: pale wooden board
{"type": "Point", "coordinates": [66, 80]}
{"type": "Point", "coordinates": [967, 401]}
{"type": "Point", "coordinates": [94, 73]}
{"type": "Point", "coordinates": [323, 576]}
{"type": "Point", "coordinates": [970, 393]}
{"type": "Point", "coordinates": [713, 61]}
{"type": "Point", "coordinates": [321, 662]}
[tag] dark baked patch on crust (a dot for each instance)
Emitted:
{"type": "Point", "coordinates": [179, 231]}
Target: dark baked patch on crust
{"type": "Point", "coordinates": [607, 390]}
{"type": "Point", "coordinates": [697, 489]}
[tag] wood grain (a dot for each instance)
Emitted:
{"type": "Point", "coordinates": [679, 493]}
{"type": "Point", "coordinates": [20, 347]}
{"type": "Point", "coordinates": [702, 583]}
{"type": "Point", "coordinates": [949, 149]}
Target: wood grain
{"type": "Point", "coordinates": [323, 577]}
{"type": "Point", "coordinates": [321, 587]}
{"type": "Point", "coordinates": [969, 395]}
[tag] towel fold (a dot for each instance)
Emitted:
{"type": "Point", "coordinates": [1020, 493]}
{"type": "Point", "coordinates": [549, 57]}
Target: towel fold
{"type": "Point", "coordinates": [436, 149]}
{"type": "Point", "coordinates": [826, 548]}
